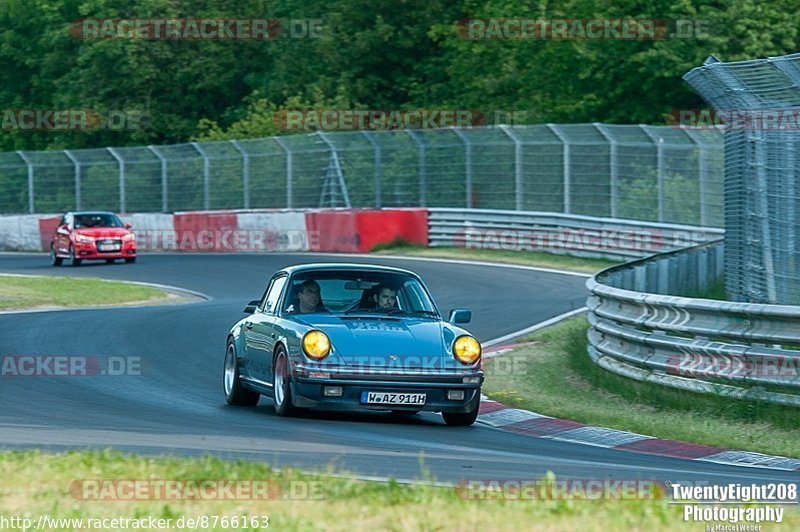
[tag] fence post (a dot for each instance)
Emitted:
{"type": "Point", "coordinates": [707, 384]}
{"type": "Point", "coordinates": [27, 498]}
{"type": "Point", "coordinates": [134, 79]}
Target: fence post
{"type": "Point", "coordinates": [282, 144]}
{"type": "Point", "coordinates": [762, 213]}
{"type": "Point", "coordinates": [468, 164]}
{"type": "Point", "coordinates": [121, 162]}
{"type": "Point", "coordinates": [335, 156]}
{"type": "Point", "coordinates": [30, 179]}
{"type": "Point", "coordinates": [702, 171]}
{"type": "Point", "coordinates": [245, 172]}
{"type": "Point", "coordinates": [377, 162]}
{"type": "Point", "coordinates": [206, 176]}
{"type": "Point", "coordinates": [659, 144]}
{"type": "Point", "coordinates": [613, 168]}
{"type": "Point", "coordinates": [422, 165]}
{"type": "Point", "coordinates": [77, 165]}
{"type": "Point", "coordinates": [517, 165]}
{"type": "Point", "coordinates": [567, 169]}
{"type": "Point", "coordinates": [164, 188]}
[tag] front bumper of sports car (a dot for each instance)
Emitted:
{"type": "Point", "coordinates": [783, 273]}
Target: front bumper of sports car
{"type": "Point", "coordinates": [314, 389]}
{"type": "Point", "coordinates": [117, 250]}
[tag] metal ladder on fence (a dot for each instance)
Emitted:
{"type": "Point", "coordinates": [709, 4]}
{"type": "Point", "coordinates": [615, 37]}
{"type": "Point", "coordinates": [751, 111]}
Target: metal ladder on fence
{"type": "Point", "coordinates": [333, 185]}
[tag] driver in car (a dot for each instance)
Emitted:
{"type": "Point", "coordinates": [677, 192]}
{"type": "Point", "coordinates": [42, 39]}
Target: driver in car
{"type": "Point", "coordinates": [309, 297]}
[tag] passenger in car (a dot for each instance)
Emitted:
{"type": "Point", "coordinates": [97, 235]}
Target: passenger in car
{"type": "Point", "coordinates": [385, 297]}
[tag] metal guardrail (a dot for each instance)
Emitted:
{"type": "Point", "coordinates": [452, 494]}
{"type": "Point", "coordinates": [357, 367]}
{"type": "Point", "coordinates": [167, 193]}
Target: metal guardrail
{"type": "Point", "coordinates": [719, 347]}
{"type": "Point", "coordinates": [583, 236]}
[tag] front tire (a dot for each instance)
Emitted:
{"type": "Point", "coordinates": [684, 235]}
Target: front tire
{"type": "Point", "coordinates": [234, 393]}
{"type": "Point", "coordinates": [281, 384]}
{"type": "Point", "coordinates": [458, 419]}
{"type": "Point", "coordinates": [54, 260]}
{"type": "Point", "coordinates": [72, 260]}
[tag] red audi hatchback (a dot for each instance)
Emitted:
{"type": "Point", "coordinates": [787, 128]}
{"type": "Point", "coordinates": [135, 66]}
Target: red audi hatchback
{"type": "Point", "coordinates": [92, 236]}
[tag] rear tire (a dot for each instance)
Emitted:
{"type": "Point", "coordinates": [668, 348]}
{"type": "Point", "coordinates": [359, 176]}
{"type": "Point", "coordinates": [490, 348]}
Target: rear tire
{"type": "Point", "coordinates": [458, 419]}
{"type": "Point", "coordinates": [72, 260]}
{"type": "Point", "coordinates": [130, 260]}
{"type": "Point", "coordinates": [281, 384]}
{"type": "Point", "coordinates": [234, 393]}
{"type": "Point", "coordinates": [54, 260]}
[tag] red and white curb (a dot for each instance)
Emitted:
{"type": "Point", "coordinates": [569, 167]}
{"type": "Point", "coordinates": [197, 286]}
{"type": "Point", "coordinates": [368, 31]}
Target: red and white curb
{"type": "Point", "coordinates": [500, 416]}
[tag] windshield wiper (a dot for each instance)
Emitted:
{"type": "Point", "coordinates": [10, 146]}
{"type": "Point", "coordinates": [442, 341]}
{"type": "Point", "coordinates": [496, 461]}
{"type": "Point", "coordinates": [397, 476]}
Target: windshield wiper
{"type": "Point", "coordinates": [430, 313]}
{"type": "Point", "coordinates": [359, 310]}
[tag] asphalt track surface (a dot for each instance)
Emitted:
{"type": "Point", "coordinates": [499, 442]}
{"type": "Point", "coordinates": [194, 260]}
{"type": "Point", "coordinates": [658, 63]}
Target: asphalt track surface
{"type": "Point", "coordinates": [176, 405]}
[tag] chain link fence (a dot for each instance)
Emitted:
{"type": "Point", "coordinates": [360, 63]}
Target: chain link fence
{"type": "Point", "coordinates": [634, 172]}
{"type": "Point", "coordinates": [761, 101]}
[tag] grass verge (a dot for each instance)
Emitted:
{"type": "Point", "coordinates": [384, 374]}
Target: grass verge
{"type": "Point", "coordinates": [33, 484]}
{"type": "Point", "coordinates": [23, 292]}
{"type": "Point", "coordinates": [556, 377]}
{"type": "Point", "coordinates": [525, 258]}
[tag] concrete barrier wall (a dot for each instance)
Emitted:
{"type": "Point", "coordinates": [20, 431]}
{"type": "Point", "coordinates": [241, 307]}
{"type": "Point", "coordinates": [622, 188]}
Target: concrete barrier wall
{"type": "Point", "coordinates": [241, 231]}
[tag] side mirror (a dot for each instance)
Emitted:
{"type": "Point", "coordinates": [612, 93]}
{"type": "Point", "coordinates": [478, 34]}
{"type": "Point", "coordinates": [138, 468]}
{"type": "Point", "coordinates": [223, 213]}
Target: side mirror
{"type": "Point", "coordinates": [128, 226]}
{"type": "Point", "coordinates": [251, 307]}
{"type": "Point", "coordinates": [460, 315]}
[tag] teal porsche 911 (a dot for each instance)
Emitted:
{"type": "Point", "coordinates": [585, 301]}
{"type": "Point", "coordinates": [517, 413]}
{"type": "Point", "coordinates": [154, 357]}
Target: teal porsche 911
{"type": "Point", "coordinates": [353, 337]}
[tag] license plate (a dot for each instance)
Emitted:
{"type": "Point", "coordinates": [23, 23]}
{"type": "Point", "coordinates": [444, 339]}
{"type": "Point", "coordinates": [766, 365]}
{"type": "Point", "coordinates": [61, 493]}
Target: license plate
{"type": "Point", "coordinates": [385, 398]}
{"type": "Point", "coordinates": [108, 247]}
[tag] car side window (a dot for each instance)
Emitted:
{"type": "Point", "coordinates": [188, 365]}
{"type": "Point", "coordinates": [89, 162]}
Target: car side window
{"type": "Point", "coordinates": [270, 303]}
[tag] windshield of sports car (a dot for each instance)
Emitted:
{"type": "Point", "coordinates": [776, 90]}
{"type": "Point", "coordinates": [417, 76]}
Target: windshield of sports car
{"type": "Point", "coordinates": [358, 292]}
{"type": "Point", "coordinates": [85, 221]}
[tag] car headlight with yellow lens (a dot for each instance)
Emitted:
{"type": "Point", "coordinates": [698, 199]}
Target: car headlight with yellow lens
{"type": "Point", "coordinates": [316, 345]}
{"type": "Point", "coordinates": [467, 349]}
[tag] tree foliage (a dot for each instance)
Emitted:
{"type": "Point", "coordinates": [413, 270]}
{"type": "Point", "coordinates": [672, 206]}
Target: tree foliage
{"type": "Point", "coordinates": [372, 54]}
